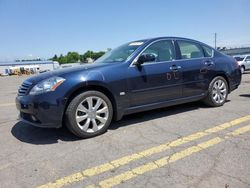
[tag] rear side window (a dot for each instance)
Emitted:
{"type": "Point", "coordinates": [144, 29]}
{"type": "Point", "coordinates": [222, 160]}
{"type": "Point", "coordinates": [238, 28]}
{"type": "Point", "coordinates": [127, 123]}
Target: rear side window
{"type": "Point", "coordinates": [190, 50]}
{"type": "Point", "coordinates": [208, 51]}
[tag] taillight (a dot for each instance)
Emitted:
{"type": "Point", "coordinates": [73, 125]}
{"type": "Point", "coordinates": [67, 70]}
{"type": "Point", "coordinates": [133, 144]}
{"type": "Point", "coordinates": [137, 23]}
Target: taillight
{"type": "Point", "coordinates": [236, 63]}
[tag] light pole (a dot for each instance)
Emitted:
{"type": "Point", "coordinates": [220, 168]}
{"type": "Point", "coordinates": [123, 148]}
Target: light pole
{"type": "Point", "coordinates": [215, 40]}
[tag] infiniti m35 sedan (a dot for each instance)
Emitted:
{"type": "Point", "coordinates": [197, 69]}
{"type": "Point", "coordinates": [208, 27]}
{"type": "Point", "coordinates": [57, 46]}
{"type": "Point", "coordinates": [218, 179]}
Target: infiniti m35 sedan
{"type": "Point", "coordinates": [137, 76]}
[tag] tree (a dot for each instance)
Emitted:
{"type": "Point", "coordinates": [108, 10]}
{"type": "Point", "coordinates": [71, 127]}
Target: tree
{"type": "Point", "coordinates": [62, 59]}
{"type": "Point", "coordinates": [91, 54]}
{"type": "Point", "coordinates": [73, 57]}
{"type": "Point", "coordinates": [55, 58]}
{"type": "Point", "coordinates": [96, 55]}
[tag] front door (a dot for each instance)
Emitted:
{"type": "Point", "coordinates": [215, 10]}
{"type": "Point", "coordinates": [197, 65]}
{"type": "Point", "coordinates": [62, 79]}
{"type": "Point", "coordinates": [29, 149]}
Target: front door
{"type": "Point", "coordinates": [158, 81]}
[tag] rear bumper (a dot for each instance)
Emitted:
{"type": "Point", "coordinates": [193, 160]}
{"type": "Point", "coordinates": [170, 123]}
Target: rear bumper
{"type": "Point", "coordinates": [235, 80]}
{"type": "Point", "coordinates": [41, 111]}
{"type": "Point", "coordinates": [234, 87]}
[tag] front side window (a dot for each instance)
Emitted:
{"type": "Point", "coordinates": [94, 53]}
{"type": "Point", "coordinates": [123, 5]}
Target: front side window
{"type": "Point", "coordinates": [162, 50]}
{"type": "Point", "coordinates": [190, 50]}
{"type": "Point", "coordinates": [248, 58]}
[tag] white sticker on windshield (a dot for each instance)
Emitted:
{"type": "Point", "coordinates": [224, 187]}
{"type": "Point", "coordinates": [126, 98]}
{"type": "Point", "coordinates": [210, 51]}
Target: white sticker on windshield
{"type": "Point", "coordinates": [135, 43]}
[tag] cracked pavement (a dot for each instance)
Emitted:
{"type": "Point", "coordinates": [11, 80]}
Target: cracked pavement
{"type": "Point", "coordinates": [31, 156]}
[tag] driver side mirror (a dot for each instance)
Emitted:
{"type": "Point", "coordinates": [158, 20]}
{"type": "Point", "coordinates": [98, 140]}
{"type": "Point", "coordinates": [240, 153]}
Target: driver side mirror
{"type": "Point", "coordinates": [145, 58]}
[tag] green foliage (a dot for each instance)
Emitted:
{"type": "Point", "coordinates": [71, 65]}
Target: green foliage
{"type": "Point", "coordinates": [73, 57]}
{"type": "Point", "coordinates": [91, 54]}
{"type": "Point", "coordinates": [62, 59]}
{"type": "Point", "coordinates": [55, 58]}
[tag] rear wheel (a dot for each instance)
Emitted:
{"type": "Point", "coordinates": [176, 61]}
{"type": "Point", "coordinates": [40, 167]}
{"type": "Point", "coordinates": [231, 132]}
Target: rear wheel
{"type": "Point", "coordinates": [217, 92]}
{"type": "Point", "coordinates": [89, 114]}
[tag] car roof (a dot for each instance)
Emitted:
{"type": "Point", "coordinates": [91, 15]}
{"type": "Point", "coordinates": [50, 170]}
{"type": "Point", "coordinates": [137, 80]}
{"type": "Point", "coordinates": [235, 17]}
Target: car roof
{"type": "Point", "coordinates": [171, 38]}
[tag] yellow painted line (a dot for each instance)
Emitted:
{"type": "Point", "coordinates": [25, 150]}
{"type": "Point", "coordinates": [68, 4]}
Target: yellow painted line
{"type": "Point", "coordinates": [116, 180]}
{"type": "Point", "coordinates": [79, 176]}
{"type": "Point", "coordinates": [7, 104]}
{"type": "Point", "coordinates": [238, 131]}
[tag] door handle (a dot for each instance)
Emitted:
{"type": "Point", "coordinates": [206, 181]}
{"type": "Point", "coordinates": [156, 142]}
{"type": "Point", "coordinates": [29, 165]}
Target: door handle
{"type": "Point", "coordinates": [175, 68]}
{"type": "Point", "coordinates": [207, 66]}
{"type": "Point", "coordinates": [209, 63]}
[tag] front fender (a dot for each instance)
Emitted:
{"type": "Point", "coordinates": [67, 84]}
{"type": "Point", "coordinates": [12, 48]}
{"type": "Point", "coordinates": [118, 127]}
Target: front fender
{"type": "Point", "coordinates": [96, 80]}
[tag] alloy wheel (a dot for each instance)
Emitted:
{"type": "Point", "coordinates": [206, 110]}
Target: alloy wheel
{"type": "Point", "coordinates": [219, 91]}
{"type": "Point", "coordinates": [92, 114]}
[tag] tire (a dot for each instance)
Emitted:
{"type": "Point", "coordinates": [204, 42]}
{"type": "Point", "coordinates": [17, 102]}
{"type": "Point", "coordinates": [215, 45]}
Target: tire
{"type": "Point", "coordinates": [85, 121]}
{"type": "Point", "coordinates": [214, 89]}
{"type": "Point", "coordinates": [242, 69]}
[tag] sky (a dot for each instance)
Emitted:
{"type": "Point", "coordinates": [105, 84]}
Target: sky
{"type": "Point", "coordinates": [42, 28]}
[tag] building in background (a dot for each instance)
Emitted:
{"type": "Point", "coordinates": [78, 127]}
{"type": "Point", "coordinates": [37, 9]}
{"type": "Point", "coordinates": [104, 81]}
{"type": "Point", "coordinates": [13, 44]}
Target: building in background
{"type": "Point", "coordinates": [27, 67]}
{"type": "Point", "coordinates": [235, 51]}
{"type": "Point", "coordinates": [89, 60]}
{"type": "Point", "coordinates": [67, 65]}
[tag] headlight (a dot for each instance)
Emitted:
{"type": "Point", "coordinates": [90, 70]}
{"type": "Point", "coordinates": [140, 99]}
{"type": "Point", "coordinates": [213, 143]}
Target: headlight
{"type": "Point", "coordinates": [46, 85]}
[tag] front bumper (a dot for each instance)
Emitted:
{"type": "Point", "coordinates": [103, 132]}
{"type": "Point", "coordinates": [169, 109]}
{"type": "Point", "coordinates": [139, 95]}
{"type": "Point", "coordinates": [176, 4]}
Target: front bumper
{"type": "Point", "coordinates": [45, 110]}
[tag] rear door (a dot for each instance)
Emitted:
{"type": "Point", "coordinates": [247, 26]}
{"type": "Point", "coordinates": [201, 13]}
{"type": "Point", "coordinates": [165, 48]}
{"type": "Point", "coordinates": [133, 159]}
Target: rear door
{"type": "Point", "coordinates": [195, 68]}
{"type": "Point", "coordinates": [157, 81]}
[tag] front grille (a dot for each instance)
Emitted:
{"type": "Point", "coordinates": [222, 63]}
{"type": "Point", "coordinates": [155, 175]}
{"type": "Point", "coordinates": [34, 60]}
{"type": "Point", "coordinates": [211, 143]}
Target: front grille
{"type": "Point", "coordinates": [24, 88]}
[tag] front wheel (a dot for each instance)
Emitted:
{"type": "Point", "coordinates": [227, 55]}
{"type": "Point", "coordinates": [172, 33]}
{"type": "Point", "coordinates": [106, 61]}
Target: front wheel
{"type": "Point", "coordinates": [217, 92]}
{"type": "Point", "coordinates": [89, 114]}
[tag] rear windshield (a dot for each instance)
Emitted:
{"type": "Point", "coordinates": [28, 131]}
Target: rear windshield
{"type": "Point", "coordinates": [239, 58]}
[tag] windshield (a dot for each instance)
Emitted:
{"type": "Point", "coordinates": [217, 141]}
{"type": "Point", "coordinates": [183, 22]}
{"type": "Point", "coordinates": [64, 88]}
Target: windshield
{"type": "Point", "coordinates": [239, 58]}
{"type": "Point", "coordinates": [119, 54]}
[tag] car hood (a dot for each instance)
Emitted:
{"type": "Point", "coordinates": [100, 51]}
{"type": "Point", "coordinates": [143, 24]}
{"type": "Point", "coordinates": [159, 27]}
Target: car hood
{"type": "Point", "coordinates": [64, 71]}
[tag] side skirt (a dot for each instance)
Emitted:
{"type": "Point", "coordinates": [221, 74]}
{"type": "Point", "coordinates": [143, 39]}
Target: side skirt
{"type": "Point", "coordinates": [146, 107]}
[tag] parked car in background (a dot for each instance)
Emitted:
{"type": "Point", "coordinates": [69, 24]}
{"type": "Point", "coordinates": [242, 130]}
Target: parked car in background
{"type": "Point", "coordinates": [4, 74]}
{"type": "Point", "coordinates": [137, 76]}
{"type": "Point", "coordinates": [244, 62]}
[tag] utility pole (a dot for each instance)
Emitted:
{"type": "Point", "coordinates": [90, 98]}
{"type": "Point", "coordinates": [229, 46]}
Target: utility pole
{"type": "Point", "coordinates": [215, 40]}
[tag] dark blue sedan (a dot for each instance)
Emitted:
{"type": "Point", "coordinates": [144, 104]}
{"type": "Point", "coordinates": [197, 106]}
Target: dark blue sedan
{"type": "Point", "coordinates": [137, 76]}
